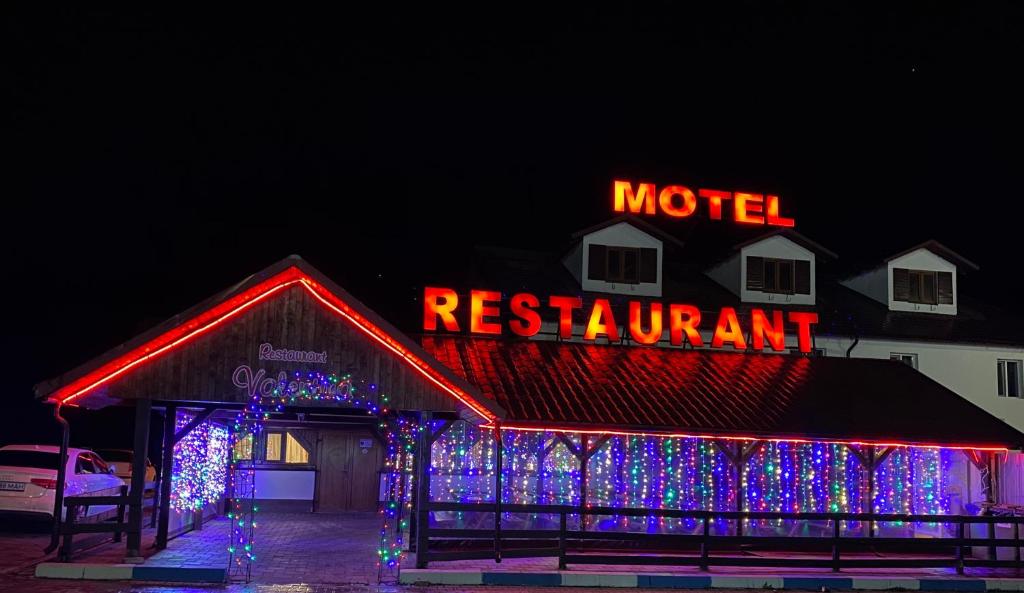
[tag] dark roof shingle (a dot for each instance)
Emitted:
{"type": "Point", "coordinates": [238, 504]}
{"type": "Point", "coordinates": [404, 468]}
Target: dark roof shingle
{"type": "Point", "coordinates": [701, 392]}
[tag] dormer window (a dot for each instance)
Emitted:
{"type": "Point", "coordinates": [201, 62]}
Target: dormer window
{"type": "Point", "coordinates": [780, 276]}
{"type": "Point", "coordinates": [924, 287]}
{"type": "Point", "coordinates": [625, 265]}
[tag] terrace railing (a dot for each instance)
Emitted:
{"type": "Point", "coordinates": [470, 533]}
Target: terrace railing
{"type": "Point", "coordinates": [707, 548]}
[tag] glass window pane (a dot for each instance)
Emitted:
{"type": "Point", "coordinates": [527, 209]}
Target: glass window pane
{"type": "Point", "coordinates": [786, 276]}
{"type": "Point", "coordinates": [614, 264]}
{"type": "Point", "coordinates": [273, 446]}
{"type": "Point", "coordinates": [928, 294]}
{"type": "Point", "coordinates": [770, 276]}
{"type": "Point", "coordinates": [84, 465]}
{"type": "Point", "coordinates": [243, 448]}
{"type": "Point", "coordinates": [631, 266]}
{"type": "Point", "coordinates": [915, 287]}
{"type": "Point", "coordinates": [1013, 378]}
{"type": "Point", "coordinates": [294, 452]}
{"type": "Point", "coordinates": [1000, 377]}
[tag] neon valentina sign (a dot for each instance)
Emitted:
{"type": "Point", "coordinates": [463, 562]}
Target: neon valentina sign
{"type": "Point", "coordinates": [678, 201]}
{"type": "Point", "coordinates": [683, 321]}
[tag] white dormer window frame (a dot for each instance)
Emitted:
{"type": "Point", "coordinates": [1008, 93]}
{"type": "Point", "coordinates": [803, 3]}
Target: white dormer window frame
{"type": "Point", "coordinates": [618, 259]}
{"type": "Point", "coordinates": [921, 282]}
{"type": "Point", "coordinates": [775, 269]}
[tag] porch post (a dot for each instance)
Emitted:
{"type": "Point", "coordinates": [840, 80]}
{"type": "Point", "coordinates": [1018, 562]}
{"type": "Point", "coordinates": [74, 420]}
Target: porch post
{"type": "Point", "coordinates": [499, 448]}
{"type": "Point", "coordinates": [584, 462]}
{"type": "Point", "coordinates": [166, 467]}
{"type": "Point", "coordinates": [991, 484]}
{"type": "Point", "coordinates": [138, 484]}
{"type": "Point", "coordinates": [737, 464]}
{"type": "Point", "coordinates": [422, 489]}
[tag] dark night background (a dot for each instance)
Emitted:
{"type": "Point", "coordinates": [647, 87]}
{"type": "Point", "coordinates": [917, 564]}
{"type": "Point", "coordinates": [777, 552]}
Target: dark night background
{"type": "Point", "coordinates": [156, 158]}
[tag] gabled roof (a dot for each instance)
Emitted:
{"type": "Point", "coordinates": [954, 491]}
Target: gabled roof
{"type": "Point", "coordinates": [221, 308]}
{"type": "Point", "coordinates": [595, 388]}
{"type": "Point", "coordinates": [639, 224]}
{"type": "Point", "coordinates": [795, 237]}
{"type": "Point", "coordinates": [940, 250]}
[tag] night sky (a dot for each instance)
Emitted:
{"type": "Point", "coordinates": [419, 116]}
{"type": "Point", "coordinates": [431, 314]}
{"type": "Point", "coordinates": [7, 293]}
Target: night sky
{"type": "Point", "coordinates": [157, 158]}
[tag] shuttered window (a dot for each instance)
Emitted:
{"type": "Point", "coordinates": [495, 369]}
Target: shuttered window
{"type": "Point", "coordinates": [803, 276]}
{"type": "Point", "coordinates": [627, 265]}
{"type": "Point", "coordinates": [945, 288]}
{"type": "Point", "coordinates": [648, 265]}
{"type": "Point", "coordinates": [755, 273]}
{"type": "Point", "coordinates": [597, 263]}
{"type": "Point", "coordinates": [786, 276]}
{"type": "Point", "coordinates": [924, 287]}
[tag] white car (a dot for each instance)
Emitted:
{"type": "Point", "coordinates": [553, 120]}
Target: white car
{"type": "Point", "coordinates": [28, 480]}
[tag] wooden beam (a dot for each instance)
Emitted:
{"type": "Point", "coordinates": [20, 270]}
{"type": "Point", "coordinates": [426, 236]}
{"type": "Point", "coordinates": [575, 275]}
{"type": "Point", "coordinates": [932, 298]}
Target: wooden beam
{"type": "Point", "coordinates": [861, 457]}
{"type": "Point", "coordinates": [140, 452]}
{"type": "Point", "coordinates": [881, 457]}
{"type": "Point", "coordinates": [193, 423]}
{"type": "Point", "coordinates": [570, 445]}
{"type": "Point", "coordinates": [723, 446]}
{"type": "Point", "coordinates": [598, 444]}
{"type": "Point", "coordinates": [748, 450]}
{"type": "Point", "coordinates": [421, 496]}
{"type": "Point", "coordinates": [166, 466]}
{"type": "Point", "coordinates": [549, 447]}
{"type": "Point", "coordinates": [440, 431]}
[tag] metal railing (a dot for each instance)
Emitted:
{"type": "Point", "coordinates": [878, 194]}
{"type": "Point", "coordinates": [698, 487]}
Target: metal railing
{"type": "Point", "coordinates": [590, 546]}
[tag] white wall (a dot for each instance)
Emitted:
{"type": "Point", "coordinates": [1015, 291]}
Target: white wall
{"type": "Point", "coordinates": [922, 259]}
{"type": "Point", "coordinates": [728, 274]}
{"type": "Point", "coordinates": [968, 370]}
{"type": "Point", "coordinates": [574, 262]}
{"type": "Point", "coordinates": [285, 484]}
{"type": "Point", "coordinates": [873, 284]}
{"type": "Point", "coordinates": [622, 234]}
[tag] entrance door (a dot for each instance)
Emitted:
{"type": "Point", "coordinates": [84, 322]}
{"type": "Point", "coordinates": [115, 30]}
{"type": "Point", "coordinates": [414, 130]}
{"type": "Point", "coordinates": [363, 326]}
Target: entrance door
{"type": "Point", "coordinates": [349, 478]}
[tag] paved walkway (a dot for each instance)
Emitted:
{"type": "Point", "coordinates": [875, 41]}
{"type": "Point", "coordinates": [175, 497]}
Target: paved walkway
{"type": "Point", "coordinates": [328, 548]}
{"type": "Point", "coordinates": [22, 544]}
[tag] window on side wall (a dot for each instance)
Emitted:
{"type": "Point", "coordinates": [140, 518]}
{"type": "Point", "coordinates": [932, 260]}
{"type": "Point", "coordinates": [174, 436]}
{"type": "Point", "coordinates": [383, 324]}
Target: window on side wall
{"type": "Point", "coordinates": [906, 358]}
{"type": "Point", "coordinates": [1010, 376]}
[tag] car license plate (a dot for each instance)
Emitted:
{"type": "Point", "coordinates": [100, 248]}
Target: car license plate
{"type": "Point", "coordinates": [13, 486]}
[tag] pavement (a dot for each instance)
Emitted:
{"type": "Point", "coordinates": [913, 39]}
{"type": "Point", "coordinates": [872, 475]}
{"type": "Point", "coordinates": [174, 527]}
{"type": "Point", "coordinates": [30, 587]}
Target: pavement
{"type": "Point", "coordinates": [337, 552]}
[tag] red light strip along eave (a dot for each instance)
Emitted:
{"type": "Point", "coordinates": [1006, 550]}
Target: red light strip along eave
{"type": "Point", "coordinates": [182, 334]}
{"type": "Point", "coordinates": [858, 442]}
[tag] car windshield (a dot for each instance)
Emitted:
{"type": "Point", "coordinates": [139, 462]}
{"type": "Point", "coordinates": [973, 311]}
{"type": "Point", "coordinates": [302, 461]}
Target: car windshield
{"type": "Point", "coordinates": [36, 459]}
{"type": "Point", "coordinates": [109, 455]}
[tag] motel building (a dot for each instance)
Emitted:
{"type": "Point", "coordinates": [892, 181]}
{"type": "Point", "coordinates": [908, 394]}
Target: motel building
{"type": "Point", "coordinates": [705, 393]}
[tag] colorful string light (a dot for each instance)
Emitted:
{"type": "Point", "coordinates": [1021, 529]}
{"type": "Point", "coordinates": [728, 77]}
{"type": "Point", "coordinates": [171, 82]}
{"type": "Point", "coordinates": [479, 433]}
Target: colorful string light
{"type": "Point", "coordinates": [295, 388]}
{"type": "Point", "coordinates": [200, 462]}
{"type": "Point", "coordinates": [638, 471]}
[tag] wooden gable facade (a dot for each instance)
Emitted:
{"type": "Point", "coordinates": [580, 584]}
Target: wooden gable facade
{"type": "Point", "coordinates": [212, 352]}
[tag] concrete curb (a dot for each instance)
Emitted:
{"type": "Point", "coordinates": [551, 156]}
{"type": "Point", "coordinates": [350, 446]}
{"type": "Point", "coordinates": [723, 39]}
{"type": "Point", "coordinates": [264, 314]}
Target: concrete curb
{"type": "Point", "coordinates": [130, 572]}
{"type": "Point", "coordinates": [412, 576]}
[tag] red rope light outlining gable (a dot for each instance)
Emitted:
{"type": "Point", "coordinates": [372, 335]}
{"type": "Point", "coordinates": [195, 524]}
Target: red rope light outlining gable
{"type": "Point", "coordinates": [338, 306]}
{"type": "Point", "coordinates": [674, 435]}
{"type": "Point", "coordinates": [230, 308]}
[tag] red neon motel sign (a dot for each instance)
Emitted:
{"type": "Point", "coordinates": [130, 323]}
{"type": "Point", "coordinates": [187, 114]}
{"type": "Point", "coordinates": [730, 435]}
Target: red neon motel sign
{"type": "Point", "coordinates": [644, 324]}
{"type": "Point", "coordinates": [679, 201]}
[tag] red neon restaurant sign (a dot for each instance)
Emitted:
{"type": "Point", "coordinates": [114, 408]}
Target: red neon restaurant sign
{"type": "Point", "coordinates": [683, 321]}
{"type": "Point", "coordinates": [678, 201]}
